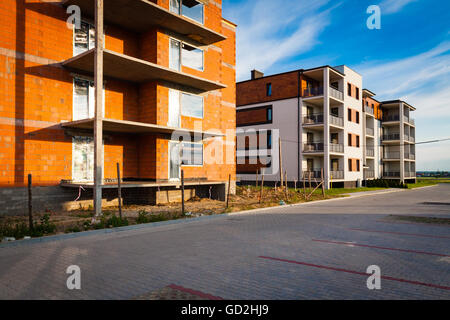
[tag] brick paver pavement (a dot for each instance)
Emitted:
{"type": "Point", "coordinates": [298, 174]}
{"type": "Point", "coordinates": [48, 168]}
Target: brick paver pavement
{"type": "Point", "coordinates": [223, 256]}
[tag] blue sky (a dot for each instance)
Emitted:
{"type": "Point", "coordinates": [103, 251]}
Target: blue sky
{"type": "Point", "coordinates": [408, 58]}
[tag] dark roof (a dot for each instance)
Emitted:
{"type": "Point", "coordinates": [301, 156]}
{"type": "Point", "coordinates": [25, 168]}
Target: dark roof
{"type": "Point", "coordinates": [397, 101]}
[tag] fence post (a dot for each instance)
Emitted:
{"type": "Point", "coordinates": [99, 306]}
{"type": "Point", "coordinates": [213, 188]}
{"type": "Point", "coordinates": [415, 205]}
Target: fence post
{"type": "Point", "coordinates": [323, 184]}
{"type": "Point", "coordinates": [119, 191]}
{"type": "Point", "coordinates": [228, 192]}
{"type": "Point", "coordinates": [30, 203]}
{"type": "Point", "coordinates": [182, 192]}
{"type": "Point", "coordinates": [262, 186]}
{"type": "Point", "coordinates": [256, 181]}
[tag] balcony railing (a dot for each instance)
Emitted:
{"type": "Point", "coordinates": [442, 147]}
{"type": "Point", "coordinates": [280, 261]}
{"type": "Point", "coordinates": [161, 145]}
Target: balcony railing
{"type": "Point", "coordinates": [370, 152]}
{"type": "Point", "coordinates": [313, 174]}
{"type": "Point", "coordinates": [368, 173]}
{"type": "Point", "coordinates": [369, 110]}
{"type": "Point", "coordinates": [336, 120]}
{"type": "Point", "coordinates": [313, 119]}
{"type": "Point", "coordinates": [335, 175]}
{"type": "Point", "coordinates": [311, 92]}
{"type": "Point", "coordinates": [370, 131]}
{"type": "Point", "coordinates": [410, 156]}
{"type": "Point", "coordinates": [391, 155]}
{"type": "Point", "coordinates": [411, 139]}
{"type": "Point", "coordinates": [408, 120]}
{"type": "Point", "coordinates": [391, 137]}
{"type": "Point", "coordinates": [410, 174]}
{"type": "Point", "coordinates": [337, 147]}
{"type": "Point", "coordinates": [394, 117]}
{"type": "Point", "coordinates": [391, 174]}
{"type": "Point", "coordinates": [313, 147]}
{"type": "Point", "coordinates": [336, 93]}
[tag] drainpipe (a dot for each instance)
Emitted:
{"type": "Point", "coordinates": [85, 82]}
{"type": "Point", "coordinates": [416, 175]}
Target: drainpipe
{"type": "Point", "coordinates": [299, 86]}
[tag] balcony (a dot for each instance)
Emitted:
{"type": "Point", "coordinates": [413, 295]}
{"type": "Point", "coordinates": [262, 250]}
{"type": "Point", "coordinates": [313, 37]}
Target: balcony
{"type": "Point", "coordinates": [408, 120]}
{"type": "Point", "coordinates": [410, 156]}
{"type": "Point", "coordinates": [313, 119]}
{"type": "Point", "coordinates": [370, 132]}
{"type": "Point", "coordinates": [336, 120]}
{"type": "Point", "coordinates": [312, 92]}
{"type": "Point", "coordinates": [391, 137]}
{"type": "Point", "coordinates": [336, 175]}
{"type": "Point", "coordinates": [336, 94]}
{"type": "Point", "coordinates": [391, 174]}
{"type": "Point", "coordinates": [395, 155]}
{"type": "Point", "coordinates": [410, 174]}
{"type": "Point", "coordinates": [369, 110]}
{"type": "Point", "coordinates": [312, 147]}
{"type": "Point", "coordinates": [123, 126]}
{"type": "Point", "coordinates": [141, 15]}
{"type": "Point", "coordinates": [336, 147]}
{"type": "Point", "coordinates": [312, 174]}
{"type": "Point", "coordinates": [412, 139]}
{"type": "Point", "coordinates": [369, 173]}
{"type": "Point", "coordinates": [391, 118]}
{"type": "Point", "coordinates": [126, 68]}
{"type": "Point", "coordinates": [370, 153]}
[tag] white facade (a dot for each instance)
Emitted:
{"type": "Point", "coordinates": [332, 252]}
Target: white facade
{"type": "Point", "coordinates": [314, 131]}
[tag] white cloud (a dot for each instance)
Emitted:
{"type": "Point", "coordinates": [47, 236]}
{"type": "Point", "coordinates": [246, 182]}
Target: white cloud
{"type": "Point", "coordinates": [269, 33]}
{"type": "Point", "coordinates": [393, 6]}
{"type": "Point", "coordinates": [423, 81]}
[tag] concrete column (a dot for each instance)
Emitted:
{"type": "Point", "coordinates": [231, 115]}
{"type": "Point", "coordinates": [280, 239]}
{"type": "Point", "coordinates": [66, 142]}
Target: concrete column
{"type": "Point", "coordinates": [98, 119]}
{"type": "Point", "coordinates": [402, 144]}
{"type": "Point", "coordinates": [300, 141]}
{"type": "Point", "coordinates": [326, 120]}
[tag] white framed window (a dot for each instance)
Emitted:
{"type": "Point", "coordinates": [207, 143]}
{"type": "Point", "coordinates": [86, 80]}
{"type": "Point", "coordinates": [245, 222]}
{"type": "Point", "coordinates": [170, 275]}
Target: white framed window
{"type": "Point", "coordinates": [184, 54]}
{"type": "Point", "coordinates": [191, 9]}
{"type": "Point", "coordinates": [83, 38]}
{"type": "Point", "coordinates": [192, 105]}
{"type": "Point", "coordinates": [191, 154]}
{"type": "Point", "coordinates": [84, 99]}
{"type": "Point", "coordinates": [186, 104]}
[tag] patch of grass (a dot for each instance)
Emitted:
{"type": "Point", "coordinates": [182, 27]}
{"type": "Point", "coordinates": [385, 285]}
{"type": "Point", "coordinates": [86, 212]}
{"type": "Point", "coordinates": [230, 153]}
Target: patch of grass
{"type": "Point", "coordinates": [419, 219]}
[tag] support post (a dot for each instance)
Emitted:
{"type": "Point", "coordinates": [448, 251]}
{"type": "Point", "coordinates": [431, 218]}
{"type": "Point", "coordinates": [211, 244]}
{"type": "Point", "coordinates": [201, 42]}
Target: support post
{"type": "Point", "coordinates": [228, 192]}
{"type": "Point", "coordinates": [182, 192]}
{"type": "Point", "coordinates": [280, 158]}
{"type": "Point", "coordinates": [256, 181]}
{"type": "Point", "coordinates": [98, 118]}
{"type": "Point", "coordinates": [309, 181]}
{"type": "Point", "coordinates": [30, 203]}
{"type": "Point", "coordinates": [304, 186]}
{"type": "Point", "coordinates": [119, 191]}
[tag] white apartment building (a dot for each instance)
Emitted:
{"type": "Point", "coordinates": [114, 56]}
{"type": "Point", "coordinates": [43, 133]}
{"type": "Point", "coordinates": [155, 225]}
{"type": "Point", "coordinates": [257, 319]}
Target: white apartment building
{"type": "Point", "coordinates": [328, 126]}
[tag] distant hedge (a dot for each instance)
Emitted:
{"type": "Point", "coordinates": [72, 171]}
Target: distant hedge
{"type": "Point", "coordinates": [384, 183]}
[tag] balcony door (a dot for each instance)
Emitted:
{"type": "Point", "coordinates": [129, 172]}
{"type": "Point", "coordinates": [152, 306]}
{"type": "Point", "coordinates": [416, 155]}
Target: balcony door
{"type": "Point", "coordinates": [82, 159]}
{"type": "Point", "coordinates": [84, 99]}
{"type": "Point", "coordinates": [174, 161]}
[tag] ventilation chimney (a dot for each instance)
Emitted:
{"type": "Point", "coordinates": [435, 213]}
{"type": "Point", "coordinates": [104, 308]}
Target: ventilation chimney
{"type": "Point", "coordinates": [257, 74]}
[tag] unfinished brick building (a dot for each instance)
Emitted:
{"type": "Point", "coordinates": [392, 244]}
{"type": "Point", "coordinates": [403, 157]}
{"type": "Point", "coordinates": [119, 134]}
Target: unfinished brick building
{"type": "Point", "coordinates": [162, 67]}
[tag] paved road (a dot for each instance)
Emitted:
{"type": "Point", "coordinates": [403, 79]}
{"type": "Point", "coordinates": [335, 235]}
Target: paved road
{"type": "Point", "coordinates": [271, 254]}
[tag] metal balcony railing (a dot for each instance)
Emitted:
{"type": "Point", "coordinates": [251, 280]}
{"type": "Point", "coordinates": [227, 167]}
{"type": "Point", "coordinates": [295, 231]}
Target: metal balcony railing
{"type": "Point", "coordinates": [412, 139]}
{"type": "Point", "coordinates": [369, 110]}
{"type": "Point", "coordinates": [313, 119]}
{"type": "Point", "coordinates": [391, 174]}
{"type": "Point", "coordinates": [408, 120]}
{"type": "Point", "coordinates": [311, 92]}
{"type": "Point", "coordinates": [337, 147]}
{"type": "Point", "coordinates": [313, 147]}
{"type": "Point", "coordinates": [336, 120]}
{"type": "Point", "coordinates": [336, 175]}
{"type": "Point", "coordinates": [336, 93]}
{"type": "Point", "coordinates": [370, 152]}
{"type": "Point", "coordinates": [393, 117]}
{"type": "Point", "coordinates": [313, 174]}
{"type": "Point", "coordinates": [410, 156]}
{"type": "Point", "coordinates": [390, 137]}
{"type": "Point", "coordinates": [370, 131]}
{"type": "Point", "coordinates": [391, 155]}
{"type": "Point", "coordinates": [368, 173]}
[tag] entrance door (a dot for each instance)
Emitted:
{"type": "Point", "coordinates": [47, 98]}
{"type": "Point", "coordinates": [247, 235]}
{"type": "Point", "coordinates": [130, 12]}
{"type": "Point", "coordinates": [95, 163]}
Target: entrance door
{"type": "Point", "coordinates": [174, 161]}
{"type": "Point", "coordinates": [174, 109]}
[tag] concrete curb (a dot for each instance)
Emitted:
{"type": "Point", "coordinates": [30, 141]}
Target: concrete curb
{"type": "Point", "coordinates": [187, 220]}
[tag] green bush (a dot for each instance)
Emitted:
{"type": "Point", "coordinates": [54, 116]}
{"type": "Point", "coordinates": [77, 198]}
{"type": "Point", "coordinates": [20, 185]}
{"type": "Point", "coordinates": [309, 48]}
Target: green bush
{"type": "Point", "coordinates": [384, 183]}
{"type": "Point", "coordinates": [20, 230]}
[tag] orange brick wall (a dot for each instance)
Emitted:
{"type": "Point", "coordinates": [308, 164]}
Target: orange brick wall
{"type": "Point", "coordinates": [284, 86]}
{"type": "Point", "coordinates": [38, 93]}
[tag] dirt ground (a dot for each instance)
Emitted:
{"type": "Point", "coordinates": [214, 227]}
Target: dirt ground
{"type": "Point", "coordinates": [246, 198]}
